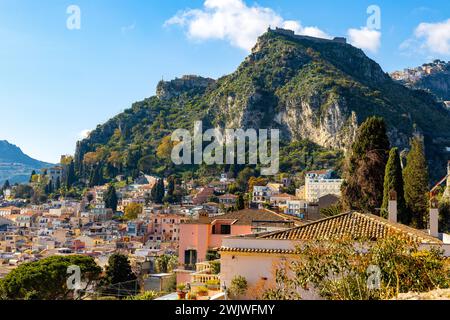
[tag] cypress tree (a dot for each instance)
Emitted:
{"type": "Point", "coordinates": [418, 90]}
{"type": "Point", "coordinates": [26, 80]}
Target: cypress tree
{"type": "Point", "coordinates": [160, 191]}
{"type": "Point", "coordinates": [171, 186]}
{"type": "Point", "coordinates": [157, 192]}
{"type": "Point", "coordinates": [416, 181]}
{"type": "Point", "coordinates": [6, 185]}
{"type": "Point", "coordinates": [240, 204]}
{"type": "Point", "coordinates": [96, 178]}
{"type": "Point", "coordinates": [393, 180]}
{"type": "Point", "coordinates": [365, 167]}
{"type": "Point", "coordinates": [71, 177]}
{"type": "Point", "coordinates": [49, 188]}
{"type": "Point", "coordinates": [31, 176]}
{"type": "Point", "coordinates": [111, 198]}
{"type": "Point", "coordinates": [58, 183]}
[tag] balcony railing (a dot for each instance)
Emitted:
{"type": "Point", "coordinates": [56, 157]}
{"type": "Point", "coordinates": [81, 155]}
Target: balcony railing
{"type": "Point", "coordinates": [201, 278]}
{"type": "Point", "coordinates": [203, 273]}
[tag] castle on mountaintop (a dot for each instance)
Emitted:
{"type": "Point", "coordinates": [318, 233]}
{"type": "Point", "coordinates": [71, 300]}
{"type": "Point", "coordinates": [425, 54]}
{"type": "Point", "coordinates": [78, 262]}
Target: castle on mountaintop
{"type": "Point", "coordinates": [292, 34]}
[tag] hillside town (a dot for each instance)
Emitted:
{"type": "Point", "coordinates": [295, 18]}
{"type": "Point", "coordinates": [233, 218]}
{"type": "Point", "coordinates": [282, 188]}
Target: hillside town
{"type": "Point", "coordinates": [208, 235]}
{"type": "Point", "coordinates": [31, 232]}
{"type": "Point", "coordinates": [414, 74]}
{"type": "Point", "coordinates": [233, 153]}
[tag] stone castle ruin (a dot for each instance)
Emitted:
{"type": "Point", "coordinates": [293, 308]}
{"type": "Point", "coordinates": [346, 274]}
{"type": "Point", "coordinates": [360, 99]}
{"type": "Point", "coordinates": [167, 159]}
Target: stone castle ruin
{"type": "Point", "coordinates": [292, 34]}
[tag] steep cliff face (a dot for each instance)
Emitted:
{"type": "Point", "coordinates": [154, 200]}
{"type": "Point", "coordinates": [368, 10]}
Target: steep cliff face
{"type": "Point", "coordinates": [320, 91]}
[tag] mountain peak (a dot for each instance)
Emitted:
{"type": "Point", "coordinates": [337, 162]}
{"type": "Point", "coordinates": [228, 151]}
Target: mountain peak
{"type": "Point", "coordinates": [293, 35]}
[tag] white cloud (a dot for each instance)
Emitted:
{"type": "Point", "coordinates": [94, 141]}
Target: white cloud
{"type": "Point", "coordinates": [235, 22]}
{"type": "Point", "coordinates": [435, 37]}
{"type": "Point", "coordinates": [365, 38]}
{"type": "Point", "coordinates": [84, 134]}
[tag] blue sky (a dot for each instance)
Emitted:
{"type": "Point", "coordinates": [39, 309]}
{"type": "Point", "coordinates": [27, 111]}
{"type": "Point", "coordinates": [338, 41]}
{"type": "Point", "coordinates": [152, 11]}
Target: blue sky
{"type": "Point", "coordinates": [56, 83]}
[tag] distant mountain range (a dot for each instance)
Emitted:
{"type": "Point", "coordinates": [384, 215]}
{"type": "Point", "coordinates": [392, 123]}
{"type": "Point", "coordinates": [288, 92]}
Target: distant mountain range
{"type": "Point", "coordinates": [15, 165]}
{"type": "Point", "coordinates": [433, 77]}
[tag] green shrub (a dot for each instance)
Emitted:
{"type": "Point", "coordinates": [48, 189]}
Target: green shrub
{"type": "Point", "coordinates": [239, 286]}
{"type": "Point", "coordinates": [202, 290]}
{"type": "Point", "coordinates": [147, 295]}
{"type": "Point", "coordinates": [181, 287]}
{"type": "Point", "coordinates": [215, 267]}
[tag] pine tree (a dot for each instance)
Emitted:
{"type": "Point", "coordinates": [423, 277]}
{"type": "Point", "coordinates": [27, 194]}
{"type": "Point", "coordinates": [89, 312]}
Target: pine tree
{"type": "Point", "coordinates": [393, 181]}
{"type": "Point", "coordinates": [416, 181]}
{"type": "Point", "coordinates": [365, 167]}
{"type": "Point", "coordinates": [118, 271]}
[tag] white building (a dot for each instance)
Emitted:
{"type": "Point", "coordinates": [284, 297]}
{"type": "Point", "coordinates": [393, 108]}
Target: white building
{"type": "Point", "coordinates": [54, 173]}
{"type": "Point", "coordinates": [296, 208]}
{"type": "Point", "coordinates": [262, 194]}
{"type": "Point", "coordinates": [319, 184]}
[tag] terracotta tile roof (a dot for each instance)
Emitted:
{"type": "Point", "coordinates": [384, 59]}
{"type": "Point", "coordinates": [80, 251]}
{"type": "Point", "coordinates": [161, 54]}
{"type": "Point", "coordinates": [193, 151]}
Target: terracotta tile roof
{"type": "Point", "coordinates": [325, 171]}
{"type": "Point", "coordinates": [228, 196]}
{"type": "Point", "coordinates": [283, 195]}
{"type": "Point", "coordinates": [257, 250]}
{"type": "Point", "coordinates": [355, 224]}
{"type": "Point", "coordinates": [245, 217]}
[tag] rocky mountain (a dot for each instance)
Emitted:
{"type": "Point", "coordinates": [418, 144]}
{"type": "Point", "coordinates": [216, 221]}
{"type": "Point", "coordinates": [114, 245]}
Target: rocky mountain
{"type": "Point", "coordinates": [433, 77]}
{"type": "Point", "coordinates": [16, 166]}
{"type": "Point", "coordinates": [312, 89]}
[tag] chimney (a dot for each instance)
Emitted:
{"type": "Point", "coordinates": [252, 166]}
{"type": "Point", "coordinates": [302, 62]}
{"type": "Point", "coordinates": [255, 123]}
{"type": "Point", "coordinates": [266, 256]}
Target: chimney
{"type": "Point", "coordinates": [447, 189]}
{"type": "Point", "coordinates": [434, 218]}
{"type": "Point", "coordinates": [392, 206]}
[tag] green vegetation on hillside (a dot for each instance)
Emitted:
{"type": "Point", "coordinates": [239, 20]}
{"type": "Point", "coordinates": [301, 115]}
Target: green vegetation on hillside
{"type": "Point", "coordinates": [285, 83]}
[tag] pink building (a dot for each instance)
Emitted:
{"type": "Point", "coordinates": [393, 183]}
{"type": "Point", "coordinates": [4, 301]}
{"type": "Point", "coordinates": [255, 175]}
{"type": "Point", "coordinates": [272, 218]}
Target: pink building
{"type": "Point", "coordinates": [197, 237]}
{"type": "Point", "coordinates": [165, 227]}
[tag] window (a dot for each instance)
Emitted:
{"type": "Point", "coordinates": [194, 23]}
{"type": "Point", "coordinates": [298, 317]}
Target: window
{"type": "Point", "coordinates": [225, 229]}
{"type": "Point", "coordinates": [190, 259]}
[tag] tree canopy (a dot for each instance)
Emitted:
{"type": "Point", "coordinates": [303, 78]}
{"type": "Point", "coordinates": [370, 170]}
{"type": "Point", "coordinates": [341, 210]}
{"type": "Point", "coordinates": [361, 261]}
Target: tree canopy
{"type": "Point", "coordinates": [46, 279]}
{"type": "Point", "coordinates": [365, 167]}
{"type": "Point", "coordinates": [416, 184]}
{"type": "Point", "coordinates": [393, 181]}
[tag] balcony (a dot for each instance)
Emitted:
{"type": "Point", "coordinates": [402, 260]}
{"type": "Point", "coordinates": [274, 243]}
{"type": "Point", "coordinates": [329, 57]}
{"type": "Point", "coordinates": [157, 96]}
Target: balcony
{"type": "Point", "coordinates": [204, 273]}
